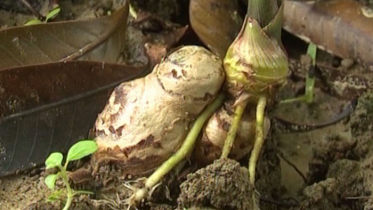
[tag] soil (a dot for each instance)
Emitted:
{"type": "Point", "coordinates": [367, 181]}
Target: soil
{"type": "Point", "coordinates": [328, 168]}
{"type": "Point", "coordinates": [204, 188]}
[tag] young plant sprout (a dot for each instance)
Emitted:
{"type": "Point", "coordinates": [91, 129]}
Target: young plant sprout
{"type": "Point", "coordinates": [256, 67]}
{"type": "Point", "coordinates": [51, 14]}
{"type": "Point", "coordinates": [310, 78]}
{"type": "Point", "coordinates": [76, 152]}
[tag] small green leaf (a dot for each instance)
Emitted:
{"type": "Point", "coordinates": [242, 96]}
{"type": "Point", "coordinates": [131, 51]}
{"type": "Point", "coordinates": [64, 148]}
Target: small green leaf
{"type": "Point", "coordinates": [55, 196]}
{"type": "Point", "coordinates": [54, 159]}
{"type": "Point", "coordinates": [33, 22]}
{"type": "Point", "coordinates": [50, 180]}
{"type": "Point", "coordinates": [53, 13]}
{"type": "Point", "coordinates": [81, 149]}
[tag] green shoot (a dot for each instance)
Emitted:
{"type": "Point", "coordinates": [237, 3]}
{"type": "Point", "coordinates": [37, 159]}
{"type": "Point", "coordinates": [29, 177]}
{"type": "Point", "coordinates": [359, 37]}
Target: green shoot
{"type": "Point", "coordinates": [259, 137]}
{"type": "Point", "coordinates": [310, 79]}
{"type": "Point", "coordinates": [233, 129]}
{"type": "Point", "coordinates": [311, 51]}
{"type": "Point", "coordinates": [33, 22]}
{"type": "Point", "coordinates": [133, 12]}
{"type": "Point", "coordinates": [51, 14]}
{"type": "Point", "coordinates": [76, 152]}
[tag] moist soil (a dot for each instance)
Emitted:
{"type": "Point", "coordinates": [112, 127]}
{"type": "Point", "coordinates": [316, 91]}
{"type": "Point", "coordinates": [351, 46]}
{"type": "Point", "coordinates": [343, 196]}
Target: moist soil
{"type": "Point", "coordinates": [328, 168]}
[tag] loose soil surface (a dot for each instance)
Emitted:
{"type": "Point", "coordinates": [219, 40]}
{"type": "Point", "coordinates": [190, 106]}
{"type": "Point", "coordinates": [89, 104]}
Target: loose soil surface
{"type": "Point", "coordinates": [328, 168]}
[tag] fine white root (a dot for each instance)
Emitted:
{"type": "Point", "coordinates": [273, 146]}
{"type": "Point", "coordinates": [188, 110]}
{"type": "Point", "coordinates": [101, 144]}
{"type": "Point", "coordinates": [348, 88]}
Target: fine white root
{"type": "Point", "coordinates": [259, 138]}
{"type": "Point", "coordinates": [186, 148]}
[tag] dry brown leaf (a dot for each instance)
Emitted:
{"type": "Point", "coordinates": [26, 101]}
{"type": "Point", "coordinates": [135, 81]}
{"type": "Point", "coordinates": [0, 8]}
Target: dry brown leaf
{"type": "Point", "coordinates": [100, 39]}
{"type": "Point", "coordinates": [48, 107]}
{"type": "Point", "coordinates": [216, 22]}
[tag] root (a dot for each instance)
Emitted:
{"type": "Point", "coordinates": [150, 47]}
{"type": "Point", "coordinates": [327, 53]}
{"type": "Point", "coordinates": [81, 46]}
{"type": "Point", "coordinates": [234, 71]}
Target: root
{"type": "Point", "coordinates": [229, 141]}
{"type": "Point", "coordinates": [113, 204]}
{"type": "Point", "coordinates": [259, 139]}
{"type": "Point", "coordinates": [139, 195]}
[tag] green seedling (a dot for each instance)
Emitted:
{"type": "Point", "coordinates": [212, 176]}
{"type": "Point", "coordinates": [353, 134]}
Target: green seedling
{"type": "Point", "coordinates": [76, 152]}
{"type": "Point", "coordinates": [310, 79]}
{"type": "Point", "coordinates": [51, 14]}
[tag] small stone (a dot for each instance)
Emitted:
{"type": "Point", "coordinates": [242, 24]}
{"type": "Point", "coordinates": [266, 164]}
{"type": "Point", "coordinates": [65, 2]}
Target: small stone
{"type": "Point", "coordinates": [347, 63]}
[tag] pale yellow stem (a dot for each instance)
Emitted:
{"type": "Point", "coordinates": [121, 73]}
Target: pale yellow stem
{"type": "Point", "coordinates": [259, 138]}
{"type": "Point", "coordinates": [229, 141]}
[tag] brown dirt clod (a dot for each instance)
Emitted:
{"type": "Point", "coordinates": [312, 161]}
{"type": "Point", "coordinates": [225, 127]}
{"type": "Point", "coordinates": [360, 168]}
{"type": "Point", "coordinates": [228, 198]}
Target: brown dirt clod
{"type": "Point", "coordinates": [221, 185]}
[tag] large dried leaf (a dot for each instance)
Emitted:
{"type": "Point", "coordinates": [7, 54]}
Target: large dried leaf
{"type": "Point", "coordinates": [46, 108]}
{"type": "Point", "coordinates": [97, 39]}
{"type": "Point", "coordinates": [339, 27]}
{"type": "Point", "coordinates": [56, 104]}
{"type": "Point", "coordinates": [216, 22]}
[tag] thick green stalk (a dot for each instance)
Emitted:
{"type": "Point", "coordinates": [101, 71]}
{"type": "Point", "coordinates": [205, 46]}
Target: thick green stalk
{"type": "Point", "coordinates": [240, 108]}
{"type": "Point", "coordinates": [259, 138]}
{"type": "Point", "coordinates": [262, 10]}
